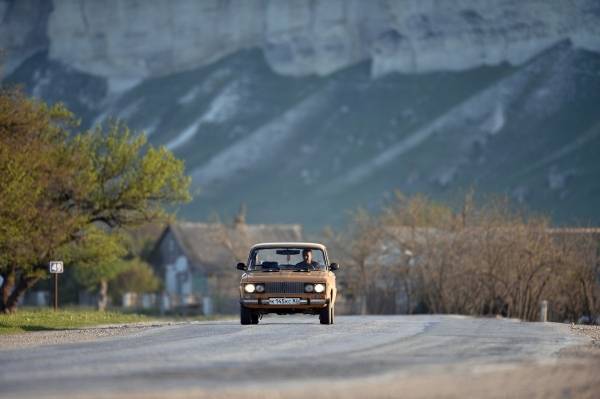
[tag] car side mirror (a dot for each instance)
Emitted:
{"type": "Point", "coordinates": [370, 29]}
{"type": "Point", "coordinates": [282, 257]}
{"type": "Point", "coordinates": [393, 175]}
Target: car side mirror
{"type": "Point", "coordinates": [334, 266]}
{"type": "Point", "coordinates": [241, 266]}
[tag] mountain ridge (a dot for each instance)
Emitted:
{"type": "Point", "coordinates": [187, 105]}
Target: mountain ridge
{"type": "Point", "coordinates": [305, 148]}
{"type": "Point", "coordinates": [128, 42]}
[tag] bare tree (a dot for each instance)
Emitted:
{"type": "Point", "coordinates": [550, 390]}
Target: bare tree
{"type": "Point", "coordinates": [480, 260]}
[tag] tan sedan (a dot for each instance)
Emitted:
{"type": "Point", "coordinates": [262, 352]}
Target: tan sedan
{"type": "Point", "coordinates": [287, 278]}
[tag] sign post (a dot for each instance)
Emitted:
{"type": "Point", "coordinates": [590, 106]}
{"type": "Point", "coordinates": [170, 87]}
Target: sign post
{"type": "Point", "coordinates": [544, 311]}
{"type": "Point", "coordinates": [56, 267]}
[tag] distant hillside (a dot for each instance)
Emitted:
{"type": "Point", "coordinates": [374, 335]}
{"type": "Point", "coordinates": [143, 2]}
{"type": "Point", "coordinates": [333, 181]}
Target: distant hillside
{"type": "Point", "coordinates": [307, 149]}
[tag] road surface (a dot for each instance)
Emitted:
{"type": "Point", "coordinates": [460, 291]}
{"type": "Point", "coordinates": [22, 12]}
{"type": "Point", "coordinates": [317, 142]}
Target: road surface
{"type": "Point", "coordinates": [290, 356]}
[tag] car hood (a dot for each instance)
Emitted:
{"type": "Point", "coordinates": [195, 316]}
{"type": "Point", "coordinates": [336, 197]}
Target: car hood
{"type": "Point", "coordinates": [265, 277]}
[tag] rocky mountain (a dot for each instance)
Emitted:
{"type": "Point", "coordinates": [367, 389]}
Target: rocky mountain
{"type": "Point", "coordinates": [133, 40]}
{"type": "Point", "coordinates": [305, 109]}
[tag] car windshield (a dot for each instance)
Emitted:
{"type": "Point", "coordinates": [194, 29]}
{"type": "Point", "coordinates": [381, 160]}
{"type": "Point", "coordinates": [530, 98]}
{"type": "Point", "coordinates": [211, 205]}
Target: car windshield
{"type": "Point", "coordinates": [275, 259]}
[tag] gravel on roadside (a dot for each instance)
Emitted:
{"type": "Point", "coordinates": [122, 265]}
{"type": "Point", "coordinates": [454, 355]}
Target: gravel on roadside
{"type": "Point", "coordinates": [83, 334]}
{"type": "Point", "coordinates": [591, 331]}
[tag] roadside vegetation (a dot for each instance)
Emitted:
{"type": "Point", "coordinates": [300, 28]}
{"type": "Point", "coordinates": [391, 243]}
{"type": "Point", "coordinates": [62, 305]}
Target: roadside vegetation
{"type": "Point", "coordinates": [419, 256]}
{"type": "Point", "coordinates": [69, 195]}
{"type": "Point", "coordinates": [43, 319]}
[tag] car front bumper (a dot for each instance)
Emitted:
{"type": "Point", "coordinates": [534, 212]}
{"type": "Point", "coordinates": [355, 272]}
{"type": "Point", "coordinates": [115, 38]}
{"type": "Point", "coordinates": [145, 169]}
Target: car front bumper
{"type": "Point", "coordinates": [265, 302]}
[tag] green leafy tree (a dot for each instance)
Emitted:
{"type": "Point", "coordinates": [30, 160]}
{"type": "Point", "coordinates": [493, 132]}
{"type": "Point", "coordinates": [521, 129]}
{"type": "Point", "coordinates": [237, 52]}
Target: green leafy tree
{"type": "Point", "coordinates": [131, 181]}
{"type": "Point", "coordinates": [139, 278]}
{"type": "Point", "coordinates": [37, 170]}
{"type": "Point", "coordinates": [102, 259]}
{"type": "Point", "coordinates": [98, 257]}
{"type": "Point", "coordinates": [55, 185]}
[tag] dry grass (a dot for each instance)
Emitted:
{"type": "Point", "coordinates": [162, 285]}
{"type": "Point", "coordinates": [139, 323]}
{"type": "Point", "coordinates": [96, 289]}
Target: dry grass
{"type": "Point", "coordinates": [26, 320]}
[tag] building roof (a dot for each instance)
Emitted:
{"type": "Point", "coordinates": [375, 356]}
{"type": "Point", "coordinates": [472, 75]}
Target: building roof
{"type": "Point", "coordinates": [213, 246]}
{"type": "Point", "coordinates": [574, 230]}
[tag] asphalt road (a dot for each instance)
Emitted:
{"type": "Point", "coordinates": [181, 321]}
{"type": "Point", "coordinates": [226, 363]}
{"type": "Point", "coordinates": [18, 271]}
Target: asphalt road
{"type": "Point", "coordinates": [281, 353]}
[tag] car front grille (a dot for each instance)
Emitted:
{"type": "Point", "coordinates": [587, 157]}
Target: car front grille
{"type": "Point", "coordinates": [284, 288]}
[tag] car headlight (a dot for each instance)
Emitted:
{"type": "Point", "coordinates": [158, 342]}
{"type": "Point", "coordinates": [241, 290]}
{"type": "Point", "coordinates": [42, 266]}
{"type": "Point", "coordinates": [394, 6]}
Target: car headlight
{"type": "Point", "coordinates": [260, 288]}
{"type": "Point", "coordinates": [319, 288]}
{"type": "Point", "coordinates": [249, 288]}
{"type": "Point", "coordinates": [309, 288]}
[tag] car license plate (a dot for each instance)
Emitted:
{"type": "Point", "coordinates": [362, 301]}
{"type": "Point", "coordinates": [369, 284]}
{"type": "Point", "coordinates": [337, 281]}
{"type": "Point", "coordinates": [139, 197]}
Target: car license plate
{"type": "Point", "coordinates": [284, 301]}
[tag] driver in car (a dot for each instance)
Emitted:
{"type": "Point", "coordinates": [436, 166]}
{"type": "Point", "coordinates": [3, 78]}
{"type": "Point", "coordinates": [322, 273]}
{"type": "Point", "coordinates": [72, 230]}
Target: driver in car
{"type": "Point", "coordinates": [307, 263]}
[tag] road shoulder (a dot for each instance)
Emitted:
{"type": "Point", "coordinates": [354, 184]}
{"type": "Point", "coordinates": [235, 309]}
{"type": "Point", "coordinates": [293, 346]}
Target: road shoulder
{"type": "Point", "coordinates": [77, 335]}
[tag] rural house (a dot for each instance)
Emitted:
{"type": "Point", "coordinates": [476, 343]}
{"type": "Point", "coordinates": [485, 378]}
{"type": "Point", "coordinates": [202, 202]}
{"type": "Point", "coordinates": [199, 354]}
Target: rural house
{"type": "Point", "coordinates": [196, 262]}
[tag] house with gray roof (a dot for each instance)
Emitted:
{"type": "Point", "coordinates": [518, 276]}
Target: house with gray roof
{"type": "Point", "coordinates": [197, 262]}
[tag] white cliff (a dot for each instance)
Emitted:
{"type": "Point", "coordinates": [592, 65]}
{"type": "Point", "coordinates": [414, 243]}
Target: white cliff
{"type": "Point", "coordinates": [128, 41]}
{"type": "Point", "coordinates": [22, 31]}
{"type": "Point", "coordinates": [302, 37]}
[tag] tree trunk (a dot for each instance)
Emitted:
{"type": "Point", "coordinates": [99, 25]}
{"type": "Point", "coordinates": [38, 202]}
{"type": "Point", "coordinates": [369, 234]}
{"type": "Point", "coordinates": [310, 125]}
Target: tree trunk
{"type": "Point", "coordinates": [25, 283]}
{"type": "Point", "coordinates": [103, 295]}
{"type": "Point", "coordinates": [8, 283]}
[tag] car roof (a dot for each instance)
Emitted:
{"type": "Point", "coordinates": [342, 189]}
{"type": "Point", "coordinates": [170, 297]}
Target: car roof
{"type": "Point", "coordinates": [312, 245]}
